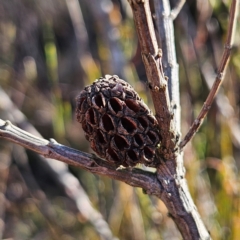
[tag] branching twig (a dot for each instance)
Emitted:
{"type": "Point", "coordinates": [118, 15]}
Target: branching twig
{"type": "Point", "coordinates": [220, 74]}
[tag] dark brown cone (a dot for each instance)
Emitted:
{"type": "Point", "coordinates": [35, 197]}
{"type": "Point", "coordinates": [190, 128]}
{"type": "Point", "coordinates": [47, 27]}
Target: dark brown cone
{"type": "Point", "coordinates": [117, 123]}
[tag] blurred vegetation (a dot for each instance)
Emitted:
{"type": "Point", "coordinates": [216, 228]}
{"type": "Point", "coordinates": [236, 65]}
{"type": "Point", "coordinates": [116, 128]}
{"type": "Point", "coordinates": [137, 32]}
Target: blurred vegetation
{"type": "Point", "coordinates": [49, 50]}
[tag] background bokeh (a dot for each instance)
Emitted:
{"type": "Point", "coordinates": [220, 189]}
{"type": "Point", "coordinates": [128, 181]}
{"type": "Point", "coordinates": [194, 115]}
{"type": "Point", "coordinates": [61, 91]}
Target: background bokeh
{"type": "Point", "coordinates": [51, 49]}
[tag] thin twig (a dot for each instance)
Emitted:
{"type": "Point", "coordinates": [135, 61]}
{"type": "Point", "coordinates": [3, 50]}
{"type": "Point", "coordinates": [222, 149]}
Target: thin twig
{"type": "Point", "coordinates": [220, 74]}
{"type": "Point", "coordinates": [52, 149]}
{"type": "Point", "coordinates": [206, 71]}
{"type": "Point", "coordinates": [223, 104]}
{"type": "Point", "coordinates": [177, 9]}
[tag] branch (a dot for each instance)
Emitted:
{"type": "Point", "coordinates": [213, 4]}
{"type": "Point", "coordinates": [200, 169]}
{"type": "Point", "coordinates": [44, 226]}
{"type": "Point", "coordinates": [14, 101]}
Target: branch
{"type": "Point", "coordinates": [152, 59]}
{"type": "Point", "coordinates": [170, 171]}
{"type": "Point", "coordinates": [164, 23]}
{"type": "Point", "coordinates": [89, 162]}
{"type": "Point", "coordinates": [148, 181]}
{"type": "Point", "coordinates": [220, 74]}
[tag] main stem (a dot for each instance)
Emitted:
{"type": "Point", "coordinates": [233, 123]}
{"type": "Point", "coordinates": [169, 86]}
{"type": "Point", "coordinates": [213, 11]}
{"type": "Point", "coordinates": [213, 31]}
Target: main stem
{"type": "Point", "coordinates": [170, 171]}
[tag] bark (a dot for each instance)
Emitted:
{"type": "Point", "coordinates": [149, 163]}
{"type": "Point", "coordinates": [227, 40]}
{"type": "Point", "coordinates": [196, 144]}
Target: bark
{"type": "Point", "coordinates": [170, 171]}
